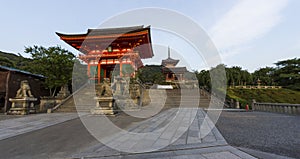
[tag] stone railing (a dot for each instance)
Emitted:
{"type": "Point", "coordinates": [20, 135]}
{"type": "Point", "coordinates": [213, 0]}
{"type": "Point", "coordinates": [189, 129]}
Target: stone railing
{"type": "Point", "coordinates": [277, 107]}
{"type": "Point", "coordinates": [256, 87]}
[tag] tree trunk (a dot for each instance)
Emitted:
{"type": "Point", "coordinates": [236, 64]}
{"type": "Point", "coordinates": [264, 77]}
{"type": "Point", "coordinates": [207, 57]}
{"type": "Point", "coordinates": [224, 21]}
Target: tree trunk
{"type": "Point", "coordinates": [54, 92]}
{"type": "Point", "coordinates": [50, 92]}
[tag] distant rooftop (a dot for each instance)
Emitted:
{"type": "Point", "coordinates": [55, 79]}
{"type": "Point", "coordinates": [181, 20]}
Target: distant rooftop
{"type": "Point", "coordinates": [175, 70]}
{"type": "Point", "coordinates": [20, 71]}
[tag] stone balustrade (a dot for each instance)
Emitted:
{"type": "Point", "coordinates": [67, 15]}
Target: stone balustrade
{"type": "Point", "coordinates": [256, 87]}
{"type": "Point", "coordinates": [277, 107]}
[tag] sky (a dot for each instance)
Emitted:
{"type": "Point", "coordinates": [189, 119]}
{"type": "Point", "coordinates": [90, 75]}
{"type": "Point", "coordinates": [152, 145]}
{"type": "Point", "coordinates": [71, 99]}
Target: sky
{"type": "Point", "coordinates": [247, 33]}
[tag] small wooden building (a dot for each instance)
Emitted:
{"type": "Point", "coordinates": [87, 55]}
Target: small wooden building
{"type": "Point", "coordinates": [10, 79]}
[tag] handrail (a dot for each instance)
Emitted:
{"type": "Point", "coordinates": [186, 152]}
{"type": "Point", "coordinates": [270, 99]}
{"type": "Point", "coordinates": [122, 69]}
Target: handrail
{"type": "Point", "coordinates": [140, 83]}
{"type": "Point", "coordinates": [70, 96]}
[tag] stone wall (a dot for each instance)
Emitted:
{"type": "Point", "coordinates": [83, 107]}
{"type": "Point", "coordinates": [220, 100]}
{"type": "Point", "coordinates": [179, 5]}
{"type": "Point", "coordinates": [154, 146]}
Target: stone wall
{"type": "Point", "coordinates": [3, 77]}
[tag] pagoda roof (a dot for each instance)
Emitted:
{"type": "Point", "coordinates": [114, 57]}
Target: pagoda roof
{"type": "Point", "coordinates": [99, 39]}
{"type": "Point", "coordinates": [169, 60]}
{"type": "Point", "coordinates": [175, 70]}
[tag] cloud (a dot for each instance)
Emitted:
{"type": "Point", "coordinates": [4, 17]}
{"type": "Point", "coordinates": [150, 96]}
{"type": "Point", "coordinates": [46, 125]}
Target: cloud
{"type": "Point", "coordinates": [245, 22]}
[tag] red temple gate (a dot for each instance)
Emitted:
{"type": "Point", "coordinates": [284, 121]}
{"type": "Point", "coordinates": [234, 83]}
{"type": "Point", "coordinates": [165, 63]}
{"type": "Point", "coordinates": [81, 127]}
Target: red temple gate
{"type": "Point", "coordinates": [112, 51]}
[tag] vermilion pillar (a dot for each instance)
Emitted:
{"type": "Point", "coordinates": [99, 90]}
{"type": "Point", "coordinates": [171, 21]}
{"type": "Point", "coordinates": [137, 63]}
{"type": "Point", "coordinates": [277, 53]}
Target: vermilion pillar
{"type": "Point", "coordinates": [121, 74]}
{"type": "Point", "coordinates": [88, 70]}
{"type": "Point", "coordinates": [99, 71]}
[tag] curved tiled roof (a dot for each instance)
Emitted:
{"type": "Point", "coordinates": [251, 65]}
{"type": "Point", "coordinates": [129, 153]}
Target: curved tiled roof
{"type": "Point", "coordinates": [102, 38]}
{"type": "Point", "coordinates": [169, 61]}
{"type": "Point", "coordinates": [20, 71]}
{"type": "Point", "coordinates": [175, 70]}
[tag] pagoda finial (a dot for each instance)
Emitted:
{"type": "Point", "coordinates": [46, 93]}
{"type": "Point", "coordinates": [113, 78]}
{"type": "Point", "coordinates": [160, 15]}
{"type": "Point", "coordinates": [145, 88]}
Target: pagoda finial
{"type": "Point", "coordinates": [169, 52]}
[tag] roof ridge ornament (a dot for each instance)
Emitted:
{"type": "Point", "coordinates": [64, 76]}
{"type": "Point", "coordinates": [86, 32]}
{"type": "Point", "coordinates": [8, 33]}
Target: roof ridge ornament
{"type": "Point", "coordinates": [169, 56]}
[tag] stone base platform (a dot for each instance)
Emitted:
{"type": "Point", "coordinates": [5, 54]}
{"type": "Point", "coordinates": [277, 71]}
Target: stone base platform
{"type": "Point", "coordinates": [103, 111]}
{"type": "Point", "coordinates": [22, 106]}
{"type": "Point", "coordinates": [104, 106]}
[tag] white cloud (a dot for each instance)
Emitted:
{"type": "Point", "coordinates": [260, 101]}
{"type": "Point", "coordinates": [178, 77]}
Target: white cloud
{"type": "Point", "coordinates": [245, 22]}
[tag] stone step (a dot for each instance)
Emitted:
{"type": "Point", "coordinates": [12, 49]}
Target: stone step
{"type": "Point", "coordinates": [85, 99]}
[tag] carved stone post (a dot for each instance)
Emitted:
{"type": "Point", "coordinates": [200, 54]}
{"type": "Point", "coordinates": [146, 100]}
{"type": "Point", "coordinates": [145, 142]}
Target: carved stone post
{"type": "Point", "coordinates": [237, 106]}
{"type": "Point", "coordinates": [253, 104]}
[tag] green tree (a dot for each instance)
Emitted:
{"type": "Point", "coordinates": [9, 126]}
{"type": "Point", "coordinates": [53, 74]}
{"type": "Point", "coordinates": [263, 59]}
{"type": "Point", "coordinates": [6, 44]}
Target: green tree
{"type": "Point", "coordinates": [237, 76]}
{"type": "Point", "coordinates": [234, 75]}
{"type": "Point", "coordinates": [203, 78]}
{"type": "Point", "coordinates": [55, 63]}
{"type": "Point", "coordinates": [265, 75]}
{"type": "Point", "coordinates": [79, 76]}
{"type": "Point", "coordinates": [6, 62]}
{"type": "Point", "coordinates": [15, 61]}
{"type": "Point", "coordinates": [151, 74]}
{"type": "Point", "coordinates": [288, 73]}
{"type": "Point", "coordinates": [218, 79]}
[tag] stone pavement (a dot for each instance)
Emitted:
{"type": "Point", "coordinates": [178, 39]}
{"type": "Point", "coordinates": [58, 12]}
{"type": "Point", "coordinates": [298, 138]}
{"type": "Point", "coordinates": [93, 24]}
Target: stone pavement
{"type": "Point", "coordinates": [174, 133]}
{"type": "Point", "coordinates": [21, 125]}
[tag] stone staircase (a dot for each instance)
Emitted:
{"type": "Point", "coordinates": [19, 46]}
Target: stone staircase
{"type": "Point", "coordinates": [84, 99]}
{"type": "Point", "coordinates": [81, 101]}
{"type": "Point", "coordinates": [204, 99]}
{"type": "Point", "coordinates": [186, 97]}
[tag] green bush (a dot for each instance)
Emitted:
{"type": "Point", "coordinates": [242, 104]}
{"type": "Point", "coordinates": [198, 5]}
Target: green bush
{"type": "Point", "coordinates": [245, 96]}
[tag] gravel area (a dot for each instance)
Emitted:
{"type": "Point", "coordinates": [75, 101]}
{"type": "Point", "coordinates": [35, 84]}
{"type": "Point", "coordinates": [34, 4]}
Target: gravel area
{"type": "Point", "coordinates": [268, 132]}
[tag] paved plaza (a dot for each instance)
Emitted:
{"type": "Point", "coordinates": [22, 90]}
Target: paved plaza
{"type": "Point", "coordinates": [20, 125]}
{"type": "Point", "coordinates": [173, 133]}
{"type": "Point", "coordinates": [72, 140]}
